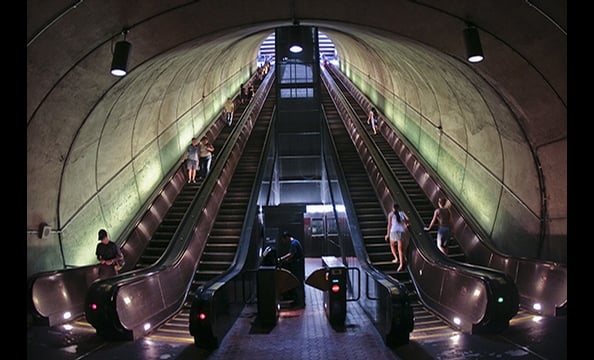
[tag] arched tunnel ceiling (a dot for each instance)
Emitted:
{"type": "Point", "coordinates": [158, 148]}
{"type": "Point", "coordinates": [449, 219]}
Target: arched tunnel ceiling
{"type": "Point", "coordinates": [69, 51]}
{"type": "Point", "coordinates": [73, 32]}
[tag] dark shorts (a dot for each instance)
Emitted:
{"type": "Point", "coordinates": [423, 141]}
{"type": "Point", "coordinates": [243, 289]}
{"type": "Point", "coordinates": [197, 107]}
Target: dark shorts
{"type": "Point", "coordinates": [443, 235]}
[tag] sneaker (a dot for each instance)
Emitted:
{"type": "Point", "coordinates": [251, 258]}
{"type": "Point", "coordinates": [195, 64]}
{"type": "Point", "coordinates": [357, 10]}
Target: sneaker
{"type": "Point", "coordinates": [395, 261]}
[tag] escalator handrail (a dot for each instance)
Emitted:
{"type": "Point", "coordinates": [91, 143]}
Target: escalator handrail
{"type": "Point", "coordinates": [204, 301]}
{"type": "Point", "coordinates": [45, 290]}
{"type": "Point", "coordinates": [525, 272]}
{"type": "Point", "coordinates": [190, 230]}
{"type": "Point", "coordinates": [399, 309]}
{"type": "Point", "coordinates": [491, 279]}
{"type": "Point", "coordinates": [354, 228]}
{"type": "Point", "coordinates": [209, 289]}
{"type": "Point", "coordinates": [399, 194]}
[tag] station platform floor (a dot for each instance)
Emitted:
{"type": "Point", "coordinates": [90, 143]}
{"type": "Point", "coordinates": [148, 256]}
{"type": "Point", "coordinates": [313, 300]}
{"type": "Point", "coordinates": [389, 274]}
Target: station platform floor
{"type": "Point", "coordinates": [306, 334]}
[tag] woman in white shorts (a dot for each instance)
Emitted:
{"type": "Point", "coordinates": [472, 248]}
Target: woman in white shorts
{"type": "Point", "coordinates": [396, 234]}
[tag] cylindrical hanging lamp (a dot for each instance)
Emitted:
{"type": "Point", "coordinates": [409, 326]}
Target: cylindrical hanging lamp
{"type": "Point", "coordinates": [119, 63]}
{"type": "Point", "coordinates": [474, 50]}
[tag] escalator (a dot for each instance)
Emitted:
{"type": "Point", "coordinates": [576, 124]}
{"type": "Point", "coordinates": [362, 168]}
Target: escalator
{"type": "Point", "coordinates": [129, 307]}
{"type": "Point", "coordinates": [212, 314]}
{"type": "Point", "coordinates": [176, 328]}
{"type": "Point", "coordinates": [438, 281]}
{"type": "Point", "coordinates": [372, 220]}
{"type": "Point", "coordinates": [136, 303]}
{"type": "Point", "coordinates": [221, 248]}
{"type": "Point", "coordinates": [161, 238]}
{"type": "Point", "coordinates": [469, 243]}
{"type": "Point", "coordinates": [57, 297]}
{"type": "Point", "coordinates": [373, 225]}
{"type": "Point", "coordinates": [211, 304]}
{"type": "Point", "coordinates": [415, 193]}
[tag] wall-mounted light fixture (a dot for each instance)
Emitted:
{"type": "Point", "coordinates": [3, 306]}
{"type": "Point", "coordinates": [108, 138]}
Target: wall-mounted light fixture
{"type": "Point", "coordinates": [474, 50]}
{"type": "Point", "coordinates": [121, 53]}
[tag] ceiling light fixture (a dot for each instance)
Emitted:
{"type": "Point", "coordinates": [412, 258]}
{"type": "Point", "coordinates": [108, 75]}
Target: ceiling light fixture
{"type": "Point", "coordinates": [121, 54]}
{"type": "Point", "coordinates": [474, 49]}
{"type": "Point", "coordinates": [296, 48]}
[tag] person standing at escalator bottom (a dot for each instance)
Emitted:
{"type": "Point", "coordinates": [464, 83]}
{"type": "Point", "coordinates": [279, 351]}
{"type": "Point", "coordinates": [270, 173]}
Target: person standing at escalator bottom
{"type": "Point", "coordinates": [294, 261]}
{"type": "Point", "coordinates": [109, 255]}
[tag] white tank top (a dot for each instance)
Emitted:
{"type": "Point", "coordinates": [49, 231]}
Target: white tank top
{"type": "Point", "coordinates": [396, 226]}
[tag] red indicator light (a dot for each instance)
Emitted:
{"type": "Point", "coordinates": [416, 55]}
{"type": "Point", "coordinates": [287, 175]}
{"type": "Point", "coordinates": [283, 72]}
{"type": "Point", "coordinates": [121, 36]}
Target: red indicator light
{"type": "Point", "coordinates": [335, 288]}
{"type": "Point", "coordinates": [93, 306]}
{"type": "Point", "coordinates": [202, 316]}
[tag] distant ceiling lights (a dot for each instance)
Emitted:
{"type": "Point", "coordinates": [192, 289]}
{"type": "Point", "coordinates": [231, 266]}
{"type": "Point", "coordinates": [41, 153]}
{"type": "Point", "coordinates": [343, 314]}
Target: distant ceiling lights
{"type": "Point", "coordinates": [296, 48]}
{"type": "Point", "coordinates": [474, 50]}
{"type": "Point", "coordinates": [121, 53]}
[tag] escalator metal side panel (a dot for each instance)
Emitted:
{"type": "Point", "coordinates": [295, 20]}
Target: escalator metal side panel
{"type": "Point", "coordinates": [56, 297]}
